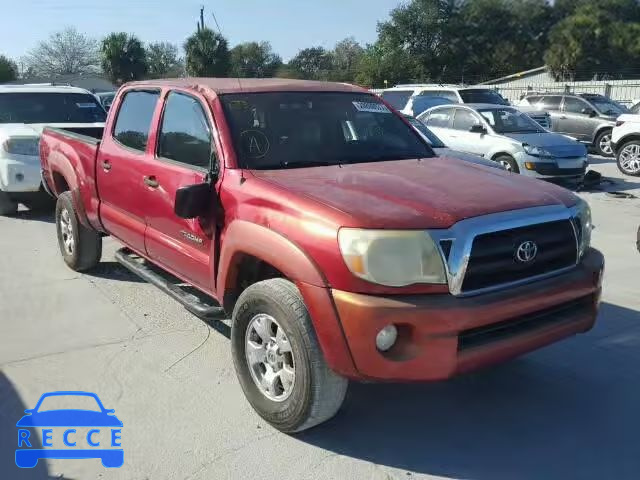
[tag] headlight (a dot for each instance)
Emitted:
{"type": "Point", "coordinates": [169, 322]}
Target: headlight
{"type": "Point", "coordinates": [21, 146]}
{"type": "Point", "coordinates": [394, 258]}
{"type": "Point", "coordinates": [584, 226]}
{"type": "Point", "coordinates": [536, 151]}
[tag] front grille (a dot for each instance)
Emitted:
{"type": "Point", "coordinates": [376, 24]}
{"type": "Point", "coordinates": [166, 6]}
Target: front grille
{"type": "Point", "coordinates": [493, 255]}
{"type": "Point", "coordinates": [554, 169]}
{"type": "Point", "coordinates": [556, 315]}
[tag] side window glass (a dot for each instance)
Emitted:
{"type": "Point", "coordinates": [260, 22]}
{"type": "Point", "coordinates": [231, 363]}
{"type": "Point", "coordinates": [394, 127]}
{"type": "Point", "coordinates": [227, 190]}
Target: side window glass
{"type": "Point", "coordinates": [439, 118]}
{"type": "Point", "coordinates": [464, 120]}
{"type": "Point", "coordinates": [551, 102]}
{"type": "Point", "coordinates": [185, 135]}
{"type": "Point", "coordinates": [574, 105]}
{"type": "Point", "coordinates": [134, 119]}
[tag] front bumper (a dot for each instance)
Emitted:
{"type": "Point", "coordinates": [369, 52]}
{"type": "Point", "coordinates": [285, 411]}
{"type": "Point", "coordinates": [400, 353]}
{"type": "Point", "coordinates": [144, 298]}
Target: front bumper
{"type": "Point", "coordinates": [557, 168]}
{"type": "Point", "coordinates": [20, 173]}
{"type": "Point", "coordinates": [442, 335]}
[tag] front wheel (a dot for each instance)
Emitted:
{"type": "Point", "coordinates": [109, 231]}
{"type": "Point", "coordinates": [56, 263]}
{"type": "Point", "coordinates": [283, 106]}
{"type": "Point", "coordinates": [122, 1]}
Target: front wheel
{"type": "Point", "coordinates": [628, 158]}
{"type": "Point", "coordinates": [81, 247]}
{"type": "Point", "coordinates": [508, 162]}
{"type": "Point", "coordinates": [603, 144]}
{"type": "Point", "coordinates": [278, 360]}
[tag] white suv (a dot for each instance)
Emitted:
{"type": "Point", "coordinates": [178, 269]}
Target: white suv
{"type": "Point", "coordinates": [406, 98]}
{"type": "Point", "coordinates": [625, 142]}
{"type": "Point", "coordinates": [24, 112]}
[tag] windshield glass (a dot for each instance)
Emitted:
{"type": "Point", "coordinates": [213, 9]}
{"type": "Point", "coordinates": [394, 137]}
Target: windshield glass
{"type": "Point", "coordinates": [63, 402]}
{"type": "Point", "coordinates": [303, 129]}
{"type": "Point", "coordinates": [482, 95]}
{"type": "Point", "coordinates": [434, 141]}
{"type": "Point", "coordinates": [606, 106]}
{"type": "Point", "coordinates": [33, 107]}
{"type": "Point", "coordinates": [509, 120]}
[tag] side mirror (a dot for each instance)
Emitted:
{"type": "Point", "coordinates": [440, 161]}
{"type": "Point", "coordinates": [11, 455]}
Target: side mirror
{"type": "Point", "coordinates": [478, 128]}
{"type": "Point", "coordinates": [193, 201]}
{"type": "Point", "coordinates": [589, 111]}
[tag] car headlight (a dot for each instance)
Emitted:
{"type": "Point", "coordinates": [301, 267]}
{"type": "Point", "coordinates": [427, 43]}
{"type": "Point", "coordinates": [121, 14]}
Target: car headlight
{"type": "Point", "coordinates": [394, 258]}
{"type": "Point", "coordinates": [21, 146]}
{"type": "Point", "coordinates": [583, 225]}
{"type": "Point", "coordinates": [536, 151]}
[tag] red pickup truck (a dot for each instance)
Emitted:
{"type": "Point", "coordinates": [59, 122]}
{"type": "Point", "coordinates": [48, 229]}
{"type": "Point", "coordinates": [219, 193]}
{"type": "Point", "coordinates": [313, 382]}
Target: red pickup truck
{"type": "Point", "coordinates": [321, 222]}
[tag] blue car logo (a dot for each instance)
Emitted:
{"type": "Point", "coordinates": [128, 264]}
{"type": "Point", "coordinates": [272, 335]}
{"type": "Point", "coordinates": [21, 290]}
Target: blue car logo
{"type": "Point", "coordinates": [104, 429]}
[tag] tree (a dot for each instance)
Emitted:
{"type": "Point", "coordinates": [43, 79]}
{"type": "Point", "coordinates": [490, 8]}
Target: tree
{"type": "Point", "coordinates": [65, 52]}
{"type": "Point", "coordinates": [313, 63]}
{"type": "Point", "coordinates": [163, 60]}
{"type": "Point", "coordinates": [346, 57]}
{"type": "Point", "coordinates": [254, 60]}
{"type": "Point", "coordinates": [123, 58]}
{"type": "Point", "coordinates": [8, 69]}
{"type": "Point", "coordinates": [381, 66]}
{"type": "Point", "coordinates": [207, 54]}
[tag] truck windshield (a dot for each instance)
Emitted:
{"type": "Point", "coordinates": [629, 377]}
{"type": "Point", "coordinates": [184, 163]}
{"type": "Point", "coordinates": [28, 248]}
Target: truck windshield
{"type": "Point", "coordinates": [303, 129]}
{"type": "Point", "coordinates": [482, 95]}
{"type": "Point", "coordinates": [48, 107]}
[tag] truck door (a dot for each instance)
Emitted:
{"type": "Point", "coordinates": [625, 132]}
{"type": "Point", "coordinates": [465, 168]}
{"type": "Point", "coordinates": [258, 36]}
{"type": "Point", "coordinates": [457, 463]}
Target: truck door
{"type": "Point", "coordinates": [120, 172]}
{"type": "Point", "coordinates": [184, 155]}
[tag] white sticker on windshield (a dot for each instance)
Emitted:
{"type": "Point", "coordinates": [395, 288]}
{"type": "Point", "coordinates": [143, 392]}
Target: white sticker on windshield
{"type": "Point", "coordinates": [371, 107]}
{"type": "Point", "coordinates": [86, 105]}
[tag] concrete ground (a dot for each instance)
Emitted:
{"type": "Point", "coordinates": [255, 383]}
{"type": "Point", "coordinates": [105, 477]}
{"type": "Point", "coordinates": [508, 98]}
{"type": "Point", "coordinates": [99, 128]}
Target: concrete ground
{"type": "Point", "coordinates": [569, 411]}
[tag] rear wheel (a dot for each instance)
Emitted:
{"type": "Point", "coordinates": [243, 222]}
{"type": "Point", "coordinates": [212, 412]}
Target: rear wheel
{"type": "Point", "coordinates": [628, 158]}
{"type": "Point", "coordinates": [278, 360]}
{"type": "Point", "coordinates": [7, 206]}
{"type": "Point", "coordinates": [81, 247]}
{"type": "Point", "coordinates": [603, 144]}
{"type": "Point", "coordinates": [508, 163]}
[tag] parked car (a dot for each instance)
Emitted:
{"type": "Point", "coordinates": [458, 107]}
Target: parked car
{"type": "Point", "coordinates": [625, 142]}
{"type": "Point", "coordinates": [507, 136]}
{"type": "Point", "coordinates": [106, 99]}
{"type": "Point", "coordinates": [585, 116]}
{"type": "Point", "coordinates": [325, 226]}
{"type": "Point", "coordinates": [403, 98]}
{"type": "Point", "coordinates": [443, 151]}
{"type": "Point", "coordinates": [24, 111]}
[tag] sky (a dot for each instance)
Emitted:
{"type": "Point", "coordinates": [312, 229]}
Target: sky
{"type": "Point", "coordinates": [289, 25]}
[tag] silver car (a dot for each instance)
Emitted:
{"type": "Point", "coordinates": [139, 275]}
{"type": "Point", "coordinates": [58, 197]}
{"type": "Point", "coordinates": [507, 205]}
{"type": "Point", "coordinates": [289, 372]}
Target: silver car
{"type": "Point", "coordinates": [507, 136]}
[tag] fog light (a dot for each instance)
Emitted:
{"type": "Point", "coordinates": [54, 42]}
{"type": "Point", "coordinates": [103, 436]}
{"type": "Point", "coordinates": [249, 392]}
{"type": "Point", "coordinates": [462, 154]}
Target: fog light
{"type": "Point", "coordinates": [530, 165]}
{"type": "Point", "coordinates": [386, 338]}
{"type": "Point", "coordinates": [19, 177]}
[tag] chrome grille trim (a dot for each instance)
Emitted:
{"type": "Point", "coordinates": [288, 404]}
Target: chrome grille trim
{"type": "Point", "coordinates": [463, 233]}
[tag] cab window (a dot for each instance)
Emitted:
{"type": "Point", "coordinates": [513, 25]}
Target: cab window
{"type": "Point", "coordinates": [185, 135]}
{"type": "Point", "coordinates": [134, 119]}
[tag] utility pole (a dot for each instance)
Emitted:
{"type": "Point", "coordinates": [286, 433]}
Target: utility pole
{"type": "Point", "coordinates": [201, 24]}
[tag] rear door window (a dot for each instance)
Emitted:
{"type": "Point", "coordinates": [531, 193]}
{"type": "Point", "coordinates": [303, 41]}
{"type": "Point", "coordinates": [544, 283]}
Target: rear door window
{"type": "Point", "coordinates": [439, 118]}
{"type": "Point", "coordinates": [397, 98]}
{"type": "Point", "coordinates": [185, 135]}
{"type": "Point", "coordinates": [134, 119]}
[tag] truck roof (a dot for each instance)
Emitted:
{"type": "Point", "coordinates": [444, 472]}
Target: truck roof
{"type": "Point", "coordinates": [41, 89]}
{"type": "Point", "coordinates": [249, 85]}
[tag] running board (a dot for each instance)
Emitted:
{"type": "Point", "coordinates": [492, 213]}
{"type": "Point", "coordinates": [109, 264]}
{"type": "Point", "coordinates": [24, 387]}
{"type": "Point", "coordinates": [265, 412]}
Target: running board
{"type": "Point", "coordinates": [193, 300]}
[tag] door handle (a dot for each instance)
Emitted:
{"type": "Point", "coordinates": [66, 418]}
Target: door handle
{"type": "Point", "coordinates": [151, 182]}
{"type": "Point", "coordinates": [106, 165]}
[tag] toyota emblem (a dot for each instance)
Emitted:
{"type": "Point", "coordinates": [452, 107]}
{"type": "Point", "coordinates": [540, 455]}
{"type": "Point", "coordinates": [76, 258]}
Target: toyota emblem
{"type": "Point", "coordinates": [526, 252]}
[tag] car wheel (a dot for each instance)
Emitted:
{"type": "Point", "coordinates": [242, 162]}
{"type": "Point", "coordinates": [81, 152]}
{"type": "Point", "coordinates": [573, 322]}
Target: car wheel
{"type": "Point", "coordinates": [508, 163]}
{"type": "Point", "coordinates": [628, 158]}
{"type": "Point", "coordinates": [638, 240]}
{"type": "Point", "coordinates": [603, 144]}
{"type": "Point", "coordinates": [278, 360]}
{"type": "Point", "coordinates": [7, 206]}
{"type": "Point", "coordinates": [81, 247]}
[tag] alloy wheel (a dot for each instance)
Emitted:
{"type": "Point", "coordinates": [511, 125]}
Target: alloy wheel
{"type": "Point", "coordinates": [66, 228]}
{"type": "Point", "coordinates": [630, 159]}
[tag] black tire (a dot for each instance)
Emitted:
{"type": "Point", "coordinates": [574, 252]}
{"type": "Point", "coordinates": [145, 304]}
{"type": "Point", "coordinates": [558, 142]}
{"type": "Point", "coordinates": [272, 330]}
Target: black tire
{"type": "Point", "coordinates": [41, 202]}
{"type": "Point", "coordinates": [87, 243]}
{"type": "Point", "coordinates": [638, 240]}
{"type": "Point", "coordinates": [317, 391]}
{"type": "Point", "coordinates": [7, 206]}
{"type": "Point", "coordinates": [599, 144]}
{"type": "Point", "coordinates": [508, 162]}
{"type": "Point", "coordinates": [634, 170]}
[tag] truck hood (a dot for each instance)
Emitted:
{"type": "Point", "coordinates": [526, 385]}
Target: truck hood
{"type": "Point", "coordinates": [558, 145]}
{"type": "Point", "coordinates": [427, 193]}
{"type": "Point", "coordinates": [467, 157]}
{"type": "Point", "coordinates": [35, 129]}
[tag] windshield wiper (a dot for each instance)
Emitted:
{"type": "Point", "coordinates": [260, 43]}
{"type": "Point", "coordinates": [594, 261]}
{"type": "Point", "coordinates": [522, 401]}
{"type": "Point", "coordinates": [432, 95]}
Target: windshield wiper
{"type": "Point", "coordinates": [302, 164]}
